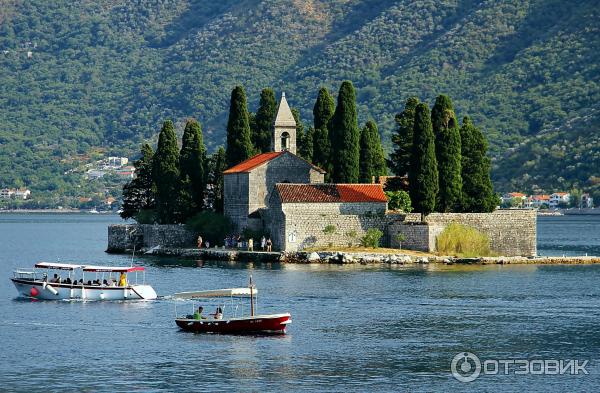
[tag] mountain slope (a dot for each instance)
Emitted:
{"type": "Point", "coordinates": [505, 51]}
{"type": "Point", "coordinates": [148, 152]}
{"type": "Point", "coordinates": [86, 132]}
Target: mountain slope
{"type": "Point", "coordinates": [105, 73]}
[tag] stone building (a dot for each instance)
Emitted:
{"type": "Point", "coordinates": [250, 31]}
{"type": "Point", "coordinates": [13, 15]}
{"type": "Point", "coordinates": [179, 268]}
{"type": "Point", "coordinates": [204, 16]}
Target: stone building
{"type": "Point", "coordinates": [247, 185]}
{"type": "Point", "coordinates": [313, 215]}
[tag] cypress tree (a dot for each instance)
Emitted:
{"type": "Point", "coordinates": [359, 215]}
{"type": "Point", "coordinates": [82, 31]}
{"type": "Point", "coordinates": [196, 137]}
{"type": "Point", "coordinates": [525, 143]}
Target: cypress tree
{"type": "Point", "coordinates": [322, 151]}
{"type": "Point", "coordinates": [423, 173]}
{"type": "Point", "coordinates": [263, 121]}
{"type": "Point", "coordinates": [323, 109]}
{"type": "Point", "coordinates": [372, 159]}
{"type": "Point", "coordinates": [399, 161]}
{"type": "Point", "coordinates": [322, 112]}
{"type": "Point", "coordinates": [219, 164]}
{"type": "Point", "coordinates": [138, 194]}
{"type": "Point", "coordinates": [447, 148]}
{"type": "Point", "coordinates": [306, 150]}
{"type": "Point", "coordinates": [477, 192]}
{"type": "Point", "coordinates": [300, 135]}
{"type": "Point", "coordinates": [239, 145]}
{"type": "Point", "coordinates": [345, 136]}
{"type": "Point", "coordinates": [192, 166]}
{"type": "Point", "coordinates": [165, 174]}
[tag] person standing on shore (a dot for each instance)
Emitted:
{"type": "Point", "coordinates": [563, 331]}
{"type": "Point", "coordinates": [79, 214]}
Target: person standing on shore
{"type": "Point", "coordinates": [263, 243]}
{"type": "Point", "coordinates": [199, 241]}
{"type": "Point", "coordinates": [269, 244]}
{"type": "Point", "coordinates": [250, 244]}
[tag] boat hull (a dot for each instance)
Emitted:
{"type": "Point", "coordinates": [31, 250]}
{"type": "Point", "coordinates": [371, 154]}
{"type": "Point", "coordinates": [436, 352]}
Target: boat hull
{"type": "Point", "coordinates": [54, 291]}
{"type": "Point", "coordinates": [274, 323]}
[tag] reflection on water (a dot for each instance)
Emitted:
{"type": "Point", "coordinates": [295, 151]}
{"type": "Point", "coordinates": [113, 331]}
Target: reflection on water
{"type": "Point", "coordinates": [355, 328]}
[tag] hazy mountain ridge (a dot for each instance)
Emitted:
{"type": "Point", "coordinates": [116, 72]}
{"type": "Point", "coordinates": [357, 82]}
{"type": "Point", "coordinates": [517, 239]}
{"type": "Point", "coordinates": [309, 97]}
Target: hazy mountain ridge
{"type": "Point", "coordinates": [106, 73]}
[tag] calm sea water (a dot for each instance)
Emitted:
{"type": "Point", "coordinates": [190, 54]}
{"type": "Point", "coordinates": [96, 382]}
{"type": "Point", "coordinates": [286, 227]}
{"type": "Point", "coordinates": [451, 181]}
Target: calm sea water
{"type": "Point", "coordinates": [354, 328]}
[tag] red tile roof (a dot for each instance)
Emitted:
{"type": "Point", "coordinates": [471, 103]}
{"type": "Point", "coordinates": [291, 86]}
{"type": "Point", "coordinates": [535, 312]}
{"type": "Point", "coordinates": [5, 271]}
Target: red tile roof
{"type": "Point", "coordinates": [330, 193]}
{"type": "Point", "coordinates": [253, 162]}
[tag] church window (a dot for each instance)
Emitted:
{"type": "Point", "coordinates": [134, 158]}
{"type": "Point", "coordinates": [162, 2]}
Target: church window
{"type": "Point", "coordinates": [285, 141]}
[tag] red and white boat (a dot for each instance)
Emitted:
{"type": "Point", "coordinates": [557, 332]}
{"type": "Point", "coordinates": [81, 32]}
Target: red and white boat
{"type": "Point", "coordinates": [86, 282]}
{"type": "Point", "coordinates": [229, 315]}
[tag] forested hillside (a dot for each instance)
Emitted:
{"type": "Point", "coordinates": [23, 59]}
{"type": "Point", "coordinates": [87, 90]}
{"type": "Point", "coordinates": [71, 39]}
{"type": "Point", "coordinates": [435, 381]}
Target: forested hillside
{"type": "Point", "coordinates": [84, 77]}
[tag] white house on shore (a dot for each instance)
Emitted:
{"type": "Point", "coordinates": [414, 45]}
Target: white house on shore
{"type": "Point", "coordinates": [559, 198]}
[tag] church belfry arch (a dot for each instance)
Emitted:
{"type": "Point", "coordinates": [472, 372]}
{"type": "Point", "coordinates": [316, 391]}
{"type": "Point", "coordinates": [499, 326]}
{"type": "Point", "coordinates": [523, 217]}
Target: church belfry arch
{"type": "Point", "coordinates": [284, 128]}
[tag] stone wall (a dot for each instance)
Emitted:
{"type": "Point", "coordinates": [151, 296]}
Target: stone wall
{"type": "Point", "coordinates": [122, 237]}
{"type": "Point", "coordinates": [511, 232]}
{"type": "Point", "coordinates": [297, 226]}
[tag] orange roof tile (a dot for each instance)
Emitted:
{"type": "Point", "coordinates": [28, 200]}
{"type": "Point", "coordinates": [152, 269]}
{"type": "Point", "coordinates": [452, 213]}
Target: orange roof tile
{"type": "Point", "coordinates": [253, 162]}
{"type": "Point", "coordinates": [330, 193]}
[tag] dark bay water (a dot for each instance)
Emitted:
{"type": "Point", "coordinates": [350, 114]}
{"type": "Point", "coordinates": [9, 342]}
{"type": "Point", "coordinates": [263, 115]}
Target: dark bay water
{"type": "Point", "coordinates": [354, 328]}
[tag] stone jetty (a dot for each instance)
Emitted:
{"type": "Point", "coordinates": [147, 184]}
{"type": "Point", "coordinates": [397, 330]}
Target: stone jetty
{"type": "Point", "coordinates": [364, 258]}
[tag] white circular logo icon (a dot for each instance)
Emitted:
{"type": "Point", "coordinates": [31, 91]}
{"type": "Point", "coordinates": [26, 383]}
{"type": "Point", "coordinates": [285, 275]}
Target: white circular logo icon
{"type": "Point", "coordinates": [465, 367]}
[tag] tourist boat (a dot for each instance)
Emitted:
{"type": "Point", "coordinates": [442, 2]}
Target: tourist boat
{"type": "Point", "coordinates": [229, 315]}
{"type": "Point", "coordinates": [86, 282]}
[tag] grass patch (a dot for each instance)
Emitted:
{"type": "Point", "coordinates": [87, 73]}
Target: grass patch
{"type": "Point", "coordinates": [463, 241]}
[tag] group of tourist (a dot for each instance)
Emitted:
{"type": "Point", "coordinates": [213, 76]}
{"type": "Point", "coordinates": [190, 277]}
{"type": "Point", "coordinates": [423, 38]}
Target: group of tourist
{"type": "Point", "coordinates": [110, 282]}
{"type": "Point", "coordinates": [239, 242]}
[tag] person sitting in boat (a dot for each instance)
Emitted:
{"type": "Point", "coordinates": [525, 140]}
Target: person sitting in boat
{"type": "Point", "coordinates": [219, 313]}
{"type": "Point", "coordinates": [123, 280]}
{"type": "Point", "coordinates": [198, 314]}
{"type": "Point", "coordinates": [55, 278]}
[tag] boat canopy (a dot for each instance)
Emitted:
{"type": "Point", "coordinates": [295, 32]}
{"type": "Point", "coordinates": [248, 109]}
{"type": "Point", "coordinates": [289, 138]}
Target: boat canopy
{"type": "Point", "coordinates": [118, 269]}
{"type": "Point", "coordinates": [54, 265]}
{"type": "Point", "coordinates": [230, 292]}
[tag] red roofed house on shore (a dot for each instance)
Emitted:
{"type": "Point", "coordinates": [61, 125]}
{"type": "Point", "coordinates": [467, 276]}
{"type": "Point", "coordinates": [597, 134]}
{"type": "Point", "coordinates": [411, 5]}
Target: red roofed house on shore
{"type": "Point", "coordinates": [247, 185]}
{"type": "Point", "coordinates": [308, 215]}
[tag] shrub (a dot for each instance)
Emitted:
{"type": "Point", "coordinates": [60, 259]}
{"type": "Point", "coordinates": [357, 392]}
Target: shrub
{"type": "Point", "coordinates": [329, 229]}
{"type": "Point", "coordinates": [400, 237]}
{"type": "Point", "coordinates": [463, 241]}
{"type": "Point", "coordinates": [212, 226]}
{"type": "Point", "coordinates": [399, 200]}
{"type": "Point", "coordinates": [145, 216]}
{"type": "Point", "coordinates": [351, 236]}
{"type": "Point", "coordinates": [371, 238]}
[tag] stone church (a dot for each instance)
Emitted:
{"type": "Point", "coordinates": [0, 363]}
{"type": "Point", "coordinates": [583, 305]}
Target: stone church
{"type": "Point", "coordinates": [248, 185]}
{"type": "Point", "coordinates": [284, 195]}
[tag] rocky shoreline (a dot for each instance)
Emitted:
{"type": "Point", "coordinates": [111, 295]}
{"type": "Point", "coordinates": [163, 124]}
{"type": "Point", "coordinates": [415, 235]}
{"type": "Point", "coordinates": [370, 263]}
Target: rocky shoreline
{"type": "Point", "coordinates": [363, 258]}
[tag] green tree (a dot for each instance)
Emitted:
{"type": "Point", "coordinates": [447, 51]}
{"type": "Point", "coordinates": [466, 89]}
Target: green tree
{"type": "Point", "coordinates": [239, 145]}
{"type": "Point", "coordinates": [217, 164]}
{"type": "Point", "coordinates": [192, 160]}
{"type": "Point", "coordinates": [322, 113]}
{"type": "Point", "coordinates": [399, 200]}
{"type": "Point", "coordinates": [423, 173]}
{"type": "Point", "coordinates": [345, 133]}
{"type": "Point", "coordinates": [263, 121]}
{"type": "Point", "coordinates": [138, 194]}
{"type": "Point", "coordinates": [372, 159]}
{"type": "Point", "coordinates": [448, 154]}
{"type": "Point", "coordinates": [402, 139]}
{"type": "Point", "coordinates": [300, 136]}
{"type": "Point", "coordinates": [477, 190]}
{"type": "Point", "coordinates": [322, 151]}
{"type": "Point", "coordinates": [323, 109]}
{"type": "Point", "coordinates": [165, 174]}
{"type": "Point", "coordinates": [306, 149]}
{"type": "Point", "coordinates": [575, 198]}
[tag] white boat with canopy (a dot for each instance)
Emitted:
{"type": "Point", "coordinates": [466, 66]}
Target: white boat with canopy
{"type": "Point", "coordinates": [59, 281]}
{"type": "Point", "coordinates": [230, 315]}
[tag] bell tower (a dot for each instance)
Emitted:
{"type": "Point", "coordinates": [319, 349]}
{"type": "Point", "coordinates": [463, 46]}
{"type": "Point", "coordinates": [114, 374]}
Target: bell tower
{"type": "Point", "coordinates": [284, 129]}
